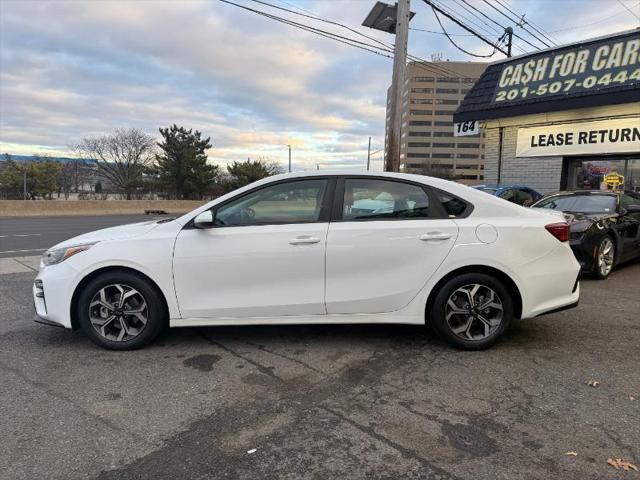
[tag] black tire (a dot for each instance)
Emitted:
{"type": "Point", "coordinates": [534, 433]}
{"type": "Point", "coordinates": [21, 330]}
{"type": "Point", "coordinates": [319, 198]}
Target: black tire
{"type": "Point", "coordinates": [598, 271]}
{"type": "Point", "coordinates": [438, 312]}
{"type": "Point", "coordinates": [154, 310]}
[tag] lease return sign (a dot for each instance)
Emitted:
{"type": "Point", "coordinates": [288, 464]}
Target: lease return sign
{"type": "Point", "coordinates": [607, 63]}
{"type": "Point", "coordinates": [605, 136]}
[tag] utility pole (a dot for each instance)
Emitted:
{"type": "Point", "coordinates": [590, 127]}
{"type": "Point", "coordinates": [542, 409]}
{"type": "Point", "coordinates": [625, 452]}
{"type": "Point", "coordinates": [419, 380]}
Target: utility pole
{"type": "Point", "coordinates": [392, 155]}
{"type": "Point", "coordinates": [509, 33]}
{"type": "Point", "coordinates": [289, 158]}
{"type": "Point", "coordinates": [24, 184]}
{"type": "Point", "coordinates": [317, 166]}
{"type": "Point", "coordinates": [369, 155]}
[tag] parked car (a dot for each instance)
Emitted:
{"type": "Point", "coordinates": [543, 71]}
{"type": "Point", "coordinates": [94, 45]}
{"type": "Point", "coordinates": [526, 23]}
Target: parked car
{"type": "Point", "coordinates": [314, 247]}
{"type": "Point", "coordinates": [518, 194]}
{"type": "Point", "coordinates": [605, 226]}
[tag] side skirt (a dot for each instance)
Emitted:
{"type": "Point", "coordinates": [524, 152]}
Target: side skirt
{"type": "Point", "coordinates": [384, 318]}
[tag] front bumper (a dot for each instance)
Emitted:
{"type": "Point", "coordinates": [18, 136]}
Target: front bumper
{"type": "Point", "coordinates": [52, 291]}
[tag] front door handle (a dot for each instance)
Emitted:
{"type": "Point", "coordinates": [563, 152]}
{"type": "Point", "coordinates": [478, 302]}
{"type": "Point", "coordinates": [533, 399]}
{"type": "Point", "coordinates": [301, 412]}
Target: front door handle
{"type": "Point", "coordinates": [434, 236]}
{"type": "Point", "coordinates": [304, 240]}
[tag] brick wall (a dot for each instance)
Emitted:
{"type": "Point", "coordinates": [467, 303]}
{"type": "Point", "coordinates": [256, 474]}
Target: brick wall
{"type": "Point", "coordinates": [540, 173]}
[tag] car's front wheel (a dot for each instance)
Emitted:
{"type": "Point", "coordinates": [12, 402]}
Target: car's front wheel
{"type": "Point", "coordinates": [471, 311]}
{"type": "Point", "coordinates": [119, 310]}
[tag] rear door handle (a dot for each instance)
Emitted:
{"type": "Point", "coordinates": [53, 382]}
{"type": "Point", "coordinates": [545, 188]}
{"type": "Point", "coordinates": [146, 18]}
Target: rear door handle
{"type": "Point", "coordinates": [434, 236]}
{"type": "Point", "coordinates": [304, 240]}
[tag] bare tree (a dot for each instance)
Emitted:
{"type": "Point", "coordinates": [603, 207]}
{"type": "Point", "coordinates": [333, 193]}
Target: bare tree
{"type": "Point", "coordinates": [120, 157]}
{"type": "Point", "coordinates": [435, 170]}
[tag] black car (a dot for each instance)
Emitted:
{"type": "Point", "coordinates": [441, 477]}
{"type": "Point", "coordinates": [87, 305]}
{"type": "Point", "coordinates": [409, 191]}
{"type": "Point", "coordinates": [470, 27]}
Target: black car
{"type": "Point", "coordinates": [605, 226]}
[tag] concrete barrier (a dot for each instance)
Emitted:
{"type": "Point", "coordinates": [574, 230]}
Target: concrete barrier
{"type": "Point", "coordinates": [50, 208]}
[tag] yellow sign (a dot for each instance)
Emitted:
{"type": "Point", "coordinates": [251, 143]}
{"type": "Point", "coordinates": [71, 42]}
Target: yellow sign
{"type": "Point", "coordinates": [613, 179]}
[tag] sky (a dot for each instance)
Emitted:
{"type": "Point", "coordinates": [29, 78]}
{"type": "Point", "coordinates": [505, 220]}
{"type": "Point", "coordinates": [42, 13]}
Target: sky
{"type": "Point", "coordinates": [75, 69]}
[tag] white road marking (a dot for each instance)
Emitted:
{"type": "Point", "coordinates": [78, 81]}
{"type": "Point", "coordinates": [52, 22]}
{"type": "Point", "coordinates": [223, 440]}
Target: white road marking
{"type": "Point", "coordinates": [22, 251]}
{"type": "Point", "coordinates": [22, 235]}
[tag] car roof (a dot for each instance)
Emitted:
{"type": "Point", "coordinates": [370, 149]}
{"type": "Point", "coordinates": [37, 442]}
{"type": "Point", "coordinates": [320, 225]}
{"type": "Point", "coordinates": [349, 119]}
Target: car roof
{"type": "Point", "coordinates": [588, 192]}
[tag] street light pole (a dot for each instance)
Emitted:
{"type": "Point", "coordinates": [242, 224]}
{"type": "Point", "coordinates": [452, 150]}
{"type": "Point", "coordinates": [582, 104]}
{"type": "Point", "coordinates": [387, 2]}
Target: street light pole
{"type": "Point", "coordinates": [24, 184]}
{"type": "Point", "coordinates": [369, 155]}
{"type": "Point", "coordinates": [289, 158]}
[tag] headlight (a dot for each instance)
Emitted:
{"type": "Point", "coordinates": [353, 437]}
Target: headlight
{"type": "Point", "coordinates": [52, 257]}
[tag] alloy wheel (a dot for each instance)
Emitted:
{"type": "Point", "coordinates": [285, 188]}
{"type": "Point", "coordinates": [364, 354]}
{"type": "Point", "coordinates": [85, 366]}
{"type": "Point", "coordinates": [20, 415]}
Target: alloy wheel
{"type": "Point", "coordinates": [118, 312]}
{"type": "Point", "coordinates": [474, 312]}
{"type": "Point", "coordinates": [606, 255]}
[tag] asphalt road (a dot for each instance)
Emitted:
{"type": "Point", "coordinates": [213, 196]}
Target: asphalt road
{"type": "Point", "coordinates": [32, 236]}
{"type": "Point", "coordinates": [324, 402]}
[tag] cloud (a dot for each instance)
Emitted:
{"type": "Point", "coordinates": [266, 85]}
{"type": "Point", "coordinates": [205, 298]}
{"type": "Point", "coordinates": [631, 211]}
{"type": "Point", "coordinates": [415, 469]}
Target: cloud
{"type": "Point", "coordinates": [72, 69]}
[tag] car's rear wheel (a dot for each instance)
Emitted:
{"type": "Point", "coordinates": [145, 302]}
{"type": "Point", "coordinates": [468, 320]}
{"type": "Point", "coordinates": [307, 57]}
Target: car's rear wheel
{"type": "Point", "coordinates": [605, 258]}
{"type": "Point", "coordinates": [471, 311]}
{"type": "Point", "coordinates": [121, 311]}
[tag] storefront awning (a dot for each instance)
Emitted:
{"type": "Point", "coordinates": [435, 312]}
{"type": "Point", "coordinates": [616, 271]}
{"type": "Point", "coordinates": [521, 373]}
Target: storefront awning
{"type": "Point", "coordinates": [597, 72]}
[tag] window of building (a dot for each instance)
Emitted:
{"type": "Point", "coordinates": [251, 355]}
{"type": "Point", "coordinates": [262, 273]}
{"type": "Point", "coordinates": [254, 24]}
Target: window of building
{"type": "Point", "coordinates": [467, 155]}
{"type": "Point", "coordinates": [446, 90]}
{"type": "Point", "coordinates": [420, 134]}
{"type": "Point", "coordinates": [466, 167]}
{"type": "Point", "coordinates": [443, 134]}
{"type": "Point", "coordinates": [442, 155]}
{"type": "Point", "coordinates": [420, 123]}
{"type": "Point", "coordinates": [422, 90]}
{"type": "Point", "coordinates": [367, 199]}
{"type": "Point", "coordinates": [468, 145]}
{"type": "Point", "coordinates": [420, 144]}
{"type": "Point", "coordinates": [444, 145]}
{"type": "Point", "coordinates": [442, 101]}
{"type": "Point", "coordinates": [448, 79]}
{"type": "Point", "coordinates": [423, 79]}
{"type": "Point", "coordinates": [417, 155]}
{"type": "Point", "coordinates": [420, 112]}
{"type": "Point", "coordinates": [290, 202]}
{"type": "Point", "coordinates": [468, 177]}
{"type": "Point", "coordinates": [444, 112]}
{"type": "Point", "coordinates": [422, 101]}
{"type": "Point", "coordinates": [441, 123]}
{"type": "Point", "coordinates": [469, 80]}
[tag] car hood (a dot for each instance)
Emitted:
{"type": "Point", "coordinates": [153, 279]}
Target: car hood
{"type": "Point", "coordinates": [112, 233]}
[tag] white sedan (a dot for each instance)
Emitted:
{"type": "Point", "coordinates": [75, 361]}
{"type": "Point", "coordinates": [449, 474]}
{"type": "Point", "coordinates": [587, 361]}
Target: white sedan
{"type": "Point", "coordinates": [317, 248]}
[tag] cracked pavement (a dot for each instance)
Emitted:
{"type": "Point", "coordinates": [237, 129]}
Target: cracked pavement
{"type": "Point", "coordinates": [321, 402]}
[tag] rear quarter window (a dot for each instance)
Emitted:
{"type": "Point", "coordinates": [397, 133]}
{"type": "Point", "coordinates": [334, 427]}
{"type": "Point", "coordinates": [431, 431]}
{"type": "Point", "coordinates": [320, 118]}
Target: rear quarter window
{"type": "Point", "coordinates": [454, 207]}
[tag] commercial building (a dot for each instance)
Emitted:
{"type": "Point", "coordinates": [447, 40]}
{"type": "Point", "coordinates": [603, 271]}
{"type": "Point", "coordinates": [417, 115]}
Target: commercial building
{"type": "Point", "coordinates": [562, 119]}
{"type": "Point", "coordinates": [432, 92]}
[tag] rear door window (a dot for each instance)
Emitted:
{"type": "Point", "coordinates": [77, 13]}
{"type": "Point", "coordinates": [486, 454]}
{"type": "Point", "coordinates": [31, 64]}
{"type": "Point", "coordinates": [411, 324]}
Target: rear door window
{"type": "Point", "coordinates": [372, 199]}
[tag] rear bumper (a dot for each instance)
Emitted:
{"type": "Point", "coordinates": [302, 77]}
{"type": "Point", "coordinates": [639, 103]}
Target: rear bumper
{"type": "Point", "coordinates": [550, 284]}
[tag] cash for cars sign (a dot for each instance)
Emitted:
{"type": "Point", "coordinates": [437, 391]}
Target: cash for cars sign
{"type": "Point", "coordinates": [609, 62]}
{"type": "Point", "coordinates": [604, 136]}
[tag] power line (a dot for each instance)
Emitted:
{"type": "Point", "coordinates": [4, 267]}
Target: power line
{"type": "Point", "coordinates": [518, 23]}
{"type": "Point", "coordinates": [586, 25]}
{"type": "Point", "coordinates": [495, 48]}
{"type": "Point", "coordinates": [441, 33]}
{"type": "Point", "coordinates": [325, 20]}
{"type": "Point", "coordinates": [492, 20]}
{"type": "Point", "coordinates": [630, 11]}
{"type": "Point", "coordinates": [460, 23]}
{"type": "Point", "coordinates": [527, 22]}
{"type": "Point", "coordinates": [384, 51]}
{"type": "Point", "coordinates": [323, 33]}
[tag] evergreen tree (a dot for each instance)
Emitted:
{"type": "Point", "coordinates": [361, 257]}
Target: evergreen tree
{"type": "Point", "coordinates": [244, 173]}
{"type": "Point", "coordinates": [181, 167]}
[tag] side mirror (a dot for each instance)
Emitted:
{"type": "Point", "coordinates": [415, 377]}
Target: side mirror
{"type": "Point", "coordinates": [203, 220]}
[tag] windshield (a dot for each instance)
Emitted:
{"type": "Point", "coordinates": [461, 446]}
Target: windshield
{"type": "Point", "coordinates": [580, 203]}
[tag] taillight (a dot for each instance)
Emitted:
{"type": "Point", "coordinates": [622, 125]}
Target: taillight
{"type": "Point", "coordinates": [559, 230]}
